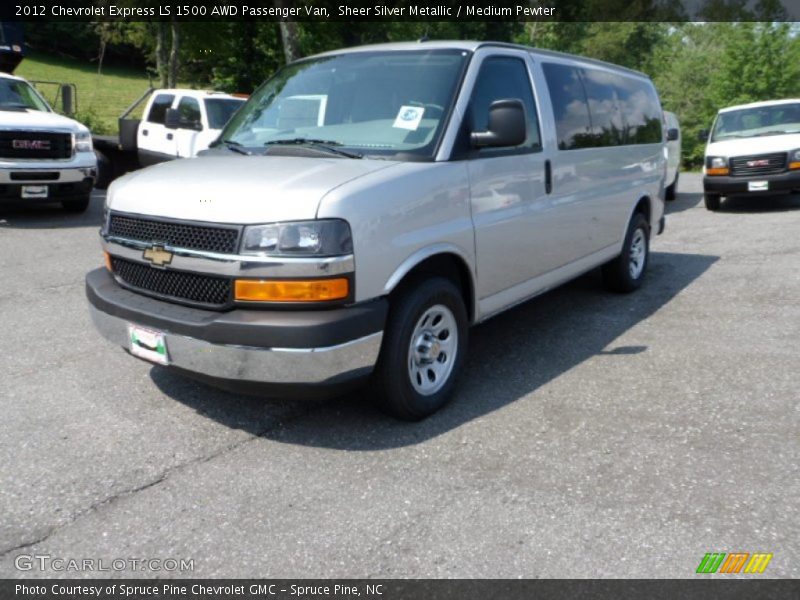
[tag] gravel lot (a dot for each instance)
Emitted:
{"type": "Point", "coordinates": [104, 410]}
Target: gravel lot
{"type": "Point", "coordinates": [594, 435]}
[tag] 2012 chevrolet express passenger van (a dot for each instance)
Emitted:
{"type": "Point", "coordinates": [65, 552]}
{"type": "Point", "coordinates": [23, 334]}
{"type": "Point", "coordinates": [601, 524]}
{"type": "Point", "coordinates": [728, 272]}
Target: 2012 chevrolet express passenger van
{"type": "Point", "coordinates": [366, 206]}
{"type": "Point", "coordinates": [753, 150]}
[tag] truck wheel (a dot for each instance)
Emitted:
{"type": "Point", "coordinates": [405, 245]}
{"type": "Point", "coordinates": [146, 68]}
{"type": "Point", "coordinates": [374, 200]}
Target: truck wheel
{"type": "Point", "coordinates": [77, 205]}
{"type": "Point", "coordinates": [105, 171]}
{"type": "Point", "coordinates": [671, 190]}
{"type": "Point", "coordinates": [712, 201]}
{"type": "Point", "coordinates": [423, 349]}
{"type": "Point", "coordinates": [626, 272]}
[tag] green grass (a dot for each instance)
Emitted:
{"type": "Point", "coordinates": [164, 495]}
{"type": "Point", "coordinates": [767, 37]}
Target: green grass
{"type": "Point", "coordinates": [101, 98]}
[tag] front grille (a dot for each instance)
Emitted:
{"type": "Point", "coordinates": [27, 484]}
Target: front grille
{"type": "Point", "coordinates": [209, 238]}
{"type": "Point", "coordinates": [762, 164]}
{"type": "Point", "coordinates": [190, 287]}
{"type": "Point", "coordinates": [35, 144]}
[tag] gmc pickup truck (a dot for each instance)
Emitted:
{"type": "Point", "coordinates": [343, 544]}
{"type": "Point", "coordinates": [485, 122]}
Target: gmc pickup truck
{"type": "Point", "coordinates": [44, 156]}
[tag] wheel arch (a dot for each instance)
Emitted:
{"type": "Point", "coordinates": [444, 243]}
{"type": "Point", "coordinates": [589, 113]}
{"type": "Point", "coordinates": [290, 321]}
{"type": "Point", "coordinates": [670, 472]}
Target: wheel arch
{"type": "Point", "coordinates": [445, 260]}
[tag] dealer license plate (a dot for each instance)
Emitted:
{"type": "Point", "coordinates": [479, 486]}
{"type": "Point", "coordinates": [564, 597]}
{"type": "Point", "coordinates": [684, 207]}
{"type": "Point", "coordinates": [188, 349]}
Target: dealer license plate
{"type": "Point", "coordinates": [757, 186]}
{"type": "Point", "coordinates": [148, 344]}
{"type": "Point", "coordinates": [34, 191]}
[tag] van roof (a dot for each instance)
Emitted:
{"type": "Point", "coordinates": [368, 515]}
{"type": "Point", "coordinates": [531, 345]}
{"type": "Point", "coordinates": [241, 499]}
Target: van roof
{"type": "Point", "coordinates": [472, 46]}
{"type": "Point", "coordinates": [760, 104]}
{"type": "Point", "coordinates": [196, 93]}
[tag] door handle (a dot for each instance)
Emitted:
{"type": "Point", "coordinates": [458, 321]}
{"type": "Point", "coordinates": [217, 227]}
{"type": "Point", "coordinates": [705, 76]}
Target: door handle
{"type": "Point", "coordinates": [144, 131]}
{"type": "Point", "coordinates": [169, 136]}
{"type": "Point", "coordinates": [548, 177]}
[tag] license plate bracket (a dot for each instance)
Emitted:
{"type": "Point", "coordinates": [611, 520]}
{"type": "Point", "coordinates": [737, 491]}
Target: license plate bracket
{"type": "Point", "coordinates": [148, 344]}
{"type": "Point", "coordinates": [34, 191]}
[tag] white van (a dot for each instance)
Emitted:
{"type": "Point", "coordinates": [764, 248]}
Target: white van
{"type": "Point", "coordinates": [753, 150]}
{"type": "Point", "coordinates": [444, 183]}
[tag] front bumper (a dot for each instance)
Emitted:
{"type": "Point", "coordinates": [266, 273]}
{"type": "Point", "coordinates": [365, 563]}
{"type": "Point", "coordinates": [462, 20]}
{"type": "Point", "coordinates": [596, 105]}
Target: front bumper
{"type": "Point", "coordinates": [277, 351]}
{"type": "Point", "coordinates": [729, 186]}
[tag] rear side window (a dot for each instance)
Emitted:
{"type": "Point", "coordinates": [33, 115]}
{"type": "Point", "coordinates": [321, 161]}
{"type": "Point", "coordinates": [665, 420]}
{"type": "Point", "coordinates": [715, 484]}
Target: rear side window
{"type": "Point", "coordinates": [571, 109]}
{"type": "Point", "coordinates": [596, 108]}
{"type": "Point", "coordinates": [500, 78]}
{"type": "Point", "coordinates": [158, 110]}
{"type": "Point", "coordinates": [641, 110]}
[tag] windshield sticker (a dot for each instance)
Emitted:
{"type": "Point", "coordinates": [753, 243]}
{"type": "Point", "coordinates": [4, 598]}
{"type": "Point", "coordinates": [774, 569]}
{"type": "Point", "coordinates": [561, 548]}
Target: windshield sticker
{"type": "Point", "coordinates": [409, 117]}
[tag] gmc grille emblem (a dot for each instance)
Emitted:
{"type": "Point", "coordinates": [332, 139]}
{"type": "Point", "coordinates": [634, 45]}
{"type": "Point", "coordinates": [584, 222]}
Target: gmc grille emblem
{"type": "Point", "coordinates": [30, 144]}
{"type": "Point", "coordinates": [763, 162]}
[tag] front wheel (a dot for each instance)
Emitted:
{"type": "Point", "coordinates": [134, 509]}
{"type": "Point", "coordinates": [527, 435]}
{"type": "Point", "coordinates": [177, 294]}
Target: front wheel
{"type": "Point", "coordinates": [77, 205]}
{"type": "Point", "coordinates": [626, 272]}
{"type": "Point", "coordinates": [423, 349]}
{"type": "Point", "coordinates": [712, 201]}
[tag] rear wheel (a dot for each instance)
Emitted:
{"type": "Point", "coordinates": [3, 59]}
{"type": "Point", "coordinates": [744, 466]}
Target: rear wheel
{"type": "Point", "coordinates": [78, 204]}
{"type": "Point", "coordinates": [423, 349]}
{"type": "Point", "coordinates": [712, 201]}
{"type": "Point", "coordinates": [626, 272]}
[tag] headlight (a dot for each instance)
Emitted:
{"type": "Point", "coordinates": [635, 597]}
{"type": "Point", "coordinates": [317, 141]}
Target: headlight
{"type": "Point", "coordinates": [302, 238]}
{"type": "Point", "coordinates": [794, 159]}
{"type": "Point", "coordinates": [83, 141]}
{"type": "Point", "coordinates": [716, 165]}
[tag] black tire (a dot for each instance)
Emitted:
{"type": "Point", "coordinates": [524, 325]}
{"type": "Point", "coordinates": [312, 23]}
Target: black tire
{"type": "Point", "coordinates": [105, 171]}
{"type": "Point", "coordinates": [392, 379]}
{"type": "Point", "coordinates": [78, 204]}
{"type": "Point", "coordinates": [712, 201]}
{"type": "Point", "coordinates": [671, 191]}
{"type": "Point", "coordinates": [618, 273]}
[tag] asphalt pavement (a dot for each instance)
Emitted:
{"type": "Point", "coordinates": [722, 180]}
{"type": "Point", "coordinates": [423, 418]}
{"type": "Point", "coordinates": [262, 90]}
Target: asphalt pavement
{"type": "Point", "coordinates": [593, 434]}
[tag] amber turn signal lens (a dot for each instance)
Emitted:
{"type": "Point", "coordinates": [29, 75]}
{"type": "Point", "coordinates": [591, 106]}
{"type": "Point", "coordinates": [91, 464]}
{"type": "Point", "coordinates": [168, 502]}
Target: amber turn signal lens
{"type": "Point", "coordinates": [315, 290]}
{"type": "Point", "coordinates": [794, 165]}
{"type": "Point", "coordinates": [717, 171]}
{"type": "Point", "coordinates": [107, 259]}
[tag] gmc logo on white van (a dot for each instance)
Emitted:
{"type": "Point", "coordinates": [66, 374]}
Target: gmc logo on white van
{"type": "Point", "coordinates": [30, 144]}
{"type": "Point", "coordinates": [763, 162]}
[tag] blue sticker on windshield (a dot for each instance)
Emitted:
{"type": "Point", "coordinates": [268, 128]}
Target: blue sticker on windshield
{"type": "Point", "coordinates": [409, 117]}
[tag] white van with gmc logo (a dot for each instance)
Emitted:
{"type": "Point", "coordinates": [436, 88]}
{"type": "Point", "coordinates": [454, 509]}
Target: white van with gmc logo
{"type": "Point", "coordinates": [366, 206]}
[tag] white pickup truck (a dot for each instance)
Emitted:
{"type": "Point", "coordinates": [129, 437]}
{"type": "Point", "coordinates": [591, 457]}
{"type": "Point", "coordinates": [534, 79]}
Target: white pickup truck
{"type": "Point", "coordinates": [175, 123]}
{"type": "Point", "coordinates": [44, 156]}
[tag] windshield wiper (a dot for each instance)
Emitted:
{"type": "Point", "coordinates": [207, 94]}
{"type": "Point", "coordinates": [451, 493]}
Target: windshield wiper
{"type": "Point", "coordinates": [326, 145]}
{"type": "Point", "coordinates": [235, 147]}
{"type": "Point", "coordinates": [773, 132]}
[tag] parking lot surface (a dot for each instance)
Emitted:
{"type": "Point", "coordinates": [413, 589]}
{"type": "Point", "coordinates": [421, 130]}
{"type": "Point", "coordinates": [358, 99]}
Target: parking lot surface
{"type": "Point", "coordinates": [593, 434]}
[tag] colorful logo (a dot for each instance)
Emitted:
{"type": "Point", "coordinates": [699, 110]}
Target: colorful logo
{"type": "Point", "coordinates": [720, 562]}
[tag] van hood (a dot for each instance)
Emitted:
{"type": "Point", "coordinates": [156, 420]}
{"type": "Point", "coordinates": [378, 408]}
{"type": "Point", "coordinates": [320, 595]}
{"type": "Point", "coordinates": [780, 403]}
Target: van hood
{"type": "Point", "coordinates": [754, 145]}
{"type": "Point", "coordinates": [236, 189]}
{"type": "Point", "coordinates": [37, 119]}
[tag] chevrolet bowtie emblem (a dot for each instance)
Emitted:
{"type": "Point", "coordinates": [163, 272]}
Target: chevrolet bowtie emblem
{"type": "Point", "coordinates": [158, 256]}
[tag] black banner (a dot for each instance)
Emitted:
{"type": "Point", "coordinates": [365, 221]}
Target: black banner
{"type": "Point", "coordinates": [398, 10]}
{"type": "Point", "coordinates": [393, 589]}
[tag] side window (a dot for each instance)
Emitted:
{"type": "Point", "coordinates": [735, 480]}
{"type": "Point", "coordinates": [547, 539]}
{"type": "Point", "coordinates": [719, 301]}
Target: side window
{"type": "Point", "coordinates": [189, 110]}
{"type": "Point", "coordinates": [607, 126]}
{"type": "Point", "coordinates": [570, 107]}
{"type": "Point", "coordinates": [503, 77]}
{"type": "Point", "coordinates": [158, 110]}
{"type": "Point", "coordinates": [640, 110]}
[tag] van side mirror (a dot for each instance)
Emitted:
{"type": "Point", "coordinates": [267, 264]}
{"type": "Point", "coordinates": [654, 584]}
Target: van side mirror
{"type": "Point", "coordinates": [507, 125]}
{"type": "Point", "coordinates": [703, 135]}
{"type": "Point", "coordinates": [172, 118]}
{"type": "Point", "coordinates": [672, 134]}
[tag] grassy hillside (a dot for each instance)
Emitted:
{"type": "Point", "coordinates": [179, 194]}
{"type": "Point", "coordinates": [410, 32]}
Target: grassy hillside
{"type": "Point", "coordinates": [101, 98]}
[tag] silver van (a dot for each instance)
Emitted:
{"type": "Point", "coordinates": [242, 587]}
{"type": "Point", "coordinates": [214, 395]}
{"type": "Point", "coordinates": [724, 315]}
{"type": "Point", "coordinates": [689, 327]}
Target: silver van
{"type": "Point", "coordinates": [366, 206]}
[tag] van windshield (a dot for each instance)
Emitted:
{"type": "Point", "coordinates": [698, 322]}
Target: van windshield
{"type": "Point", "coordinates": [220, 110]}
{"type": "Point", "coordinates": [19, 95]}
{"type": "Point", "coordinates": [379, 104]}
{"type": "Point", "coordinates": [776, 119]}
